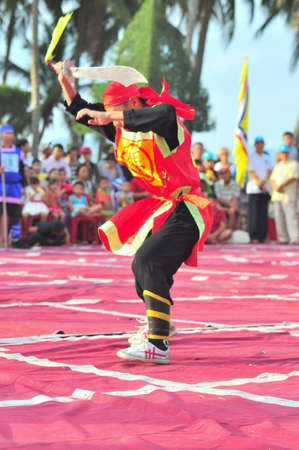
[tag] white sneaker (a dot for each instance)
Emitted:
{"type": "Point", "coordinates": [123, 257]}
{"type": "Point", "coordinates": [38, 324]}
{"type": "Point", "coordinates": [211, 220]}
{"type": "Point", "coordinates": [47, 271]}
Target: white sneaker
{"type": "Point", "coordinates": [145, 352]}
{"type": "Point", "coordinates": [142, 334]}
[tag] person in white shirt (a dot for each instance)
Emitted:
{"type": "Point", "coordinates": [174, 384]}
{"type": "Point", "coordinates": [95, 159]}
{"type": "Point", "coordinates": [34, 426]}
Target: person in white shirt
{"type": "Point", "coordinates": [56, 161]}
{"type": "Point", "coordinates": [284, 180]}
{"type": "Point", "coordinates": [259, 170]}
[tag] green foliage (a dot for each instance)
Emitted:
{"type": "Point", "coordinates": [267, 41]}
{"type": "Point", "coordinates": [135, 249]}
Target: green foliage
{"type": "Point", "coordinates": [156, 48]}
{"type": "Point", "coordinates": [14, 104]}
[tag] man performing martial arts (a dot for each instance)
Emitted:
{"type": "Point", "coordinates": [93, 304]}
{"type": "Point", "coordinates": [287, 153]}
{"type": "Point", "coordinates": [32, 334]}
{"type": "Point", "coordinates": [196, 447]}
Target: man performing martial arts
{"type": "Point", "coordinates": [165, 229]}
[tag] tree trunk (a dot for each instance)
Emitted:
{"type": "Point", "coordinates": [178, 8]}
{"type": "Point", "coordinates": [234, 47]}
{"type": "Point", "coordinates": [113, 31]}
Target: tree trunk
{"type": "Point", "coordinates": [205, 18]}
{"type": "Point", "coordinates": [9, 37]}
{"type": "Point", "coordinates": [191, 22]}
{"type": "Point", "coordinates": [35, 79]}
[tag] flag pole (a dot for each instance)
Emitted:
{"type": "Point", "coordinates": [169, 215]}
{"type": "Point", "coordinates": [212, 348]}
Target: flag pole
{"type": "Point", "coordinates": [4, 205]}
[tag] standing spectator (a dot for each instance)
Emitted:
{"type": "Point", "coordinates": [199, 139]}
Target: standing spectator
{"type": "Point", "coordinates": [73, 162]}
{"type": "Point", "coordinates": [284, 180]}
{"type": "Point", "coordinates": [94, 174]}
{"type": "Point", "coordinates": [36, 168]}
{"type": "Point", "coordinates": [27, 157]}
{"type": "Point", "coordinates": [197, 151]}
{"type": "Point", "coordinates": [83, 176]}
{"type": "Point", "coordinates": [46, 152]}
{"type": "Point", "coordinates": [227, 192]}
{"type": "Point", "coordinates": [34, 201]}
{"type": "Point", "coordinates": [220, 233]}
{"type": "Point", "coordinates": [288, 139]}
{"type": "Point", "coordinates": [259, 169]}
{"type": "Point", "coordinates": [223, 156]}
{"type": "Point", "coordinates": [12, 168]}
{"type": "Point", "coordinates": [56, 161]}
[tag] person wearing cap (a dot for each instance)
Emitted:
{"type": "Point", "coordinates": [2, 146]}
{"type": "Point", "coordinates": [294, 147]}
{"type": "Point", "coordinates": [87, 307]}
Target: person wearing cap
{"type": "Point", "coordinates": [288, 139]}
{"type": "Point", "coordinates": [12, 169]}
{"type": "Point", "coordinates": [228, 193]}
{"type": "Point", "coordinates": [162, 230]}
{"type": "Point", "coordinates": [86, 153]}
{"type": "Point", "coordinates": [209, 163]}
{"type": "Point", "coordinates": [284, 180]}
{"type": "Point", "coordinates": [259, 169]}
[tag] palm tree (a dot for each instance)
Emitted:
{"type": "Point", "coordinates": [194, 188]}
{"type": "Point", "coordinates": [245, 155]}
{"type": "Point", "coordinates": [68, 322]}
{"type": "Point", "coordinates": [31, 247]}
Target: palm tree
{"type": "Point", "coordinates": [34, 76]}
{"type": "Point", "coordinates": [289, 9]}
{"type": "Point", "coordinates": [199, 16]}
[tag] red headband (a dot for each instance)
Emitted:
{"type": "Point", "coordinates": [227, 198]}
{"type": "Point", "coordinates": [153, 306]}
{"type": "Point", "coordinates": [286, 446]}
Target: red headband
{"type": "Point", "coordinates": [117, 93]}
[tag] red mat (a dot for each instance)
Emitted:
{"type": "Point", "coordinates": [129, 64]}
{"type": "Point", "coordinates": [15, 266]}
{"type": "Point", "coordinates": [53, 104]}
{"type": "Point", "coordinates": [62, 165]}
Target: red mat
{"type": "Point", "coordinates": [232, 382]}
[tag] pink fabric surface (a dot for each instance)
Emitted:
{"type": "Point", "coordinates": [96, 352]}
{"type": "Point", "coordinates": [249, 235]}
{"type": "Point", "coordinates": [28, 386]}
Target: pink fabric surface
{"type": "Point", "coordinates": [233, 378]}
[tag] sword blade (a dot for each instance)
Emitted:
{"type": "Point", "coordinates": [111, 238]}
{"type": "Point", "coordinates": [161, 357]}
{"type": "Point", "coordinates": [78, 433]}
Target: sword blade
{"type": "Point", "coordinates": [123, 74]}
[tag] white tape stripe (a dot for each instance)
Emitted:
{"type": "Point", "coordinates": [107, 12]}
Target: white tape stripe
{"type": "Point", "coordinates": [173, 386]}
{"type": "Point", "coordinates": [34, 401]}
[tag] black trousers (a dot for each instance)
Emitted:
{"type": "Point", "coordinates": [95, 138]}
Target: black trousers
{"type": "Point", "coordinates": [14, 213]}
{"type": "Point", "coordinates": [163, 252]}
{"type": "Point", "coordinates": [258, 216]}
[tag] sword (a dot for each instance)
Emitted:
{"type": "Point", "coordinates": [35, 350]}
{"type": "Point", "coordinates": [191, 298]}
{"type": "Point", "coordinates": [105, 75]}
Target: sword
{"type": "Point", "coordinates": [123, 74]}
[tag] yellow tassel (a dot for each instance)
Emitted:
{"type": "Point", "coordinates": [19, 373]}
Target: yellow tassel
{"type": "Point", "coordinates": [56, 35]}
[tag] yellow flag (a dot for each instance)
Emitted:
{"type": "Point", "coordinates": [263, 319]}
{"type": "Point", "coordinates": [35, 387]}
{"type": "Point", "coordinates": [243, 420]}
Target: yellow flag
{"type": "Point", "coordinates": [56, 35]}
{"type": "Point", "coordinates": [240, 152]}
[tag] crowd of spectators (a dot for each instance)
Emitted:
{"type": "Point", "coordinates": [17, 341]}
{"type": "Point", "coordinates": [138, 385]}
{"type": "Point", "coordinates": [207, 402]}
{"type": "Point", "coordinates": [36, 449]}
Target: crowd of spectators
{"type": "Point", "coordinates": [270, 194]}
{"type": "Point", "coordinates": [64, 185]}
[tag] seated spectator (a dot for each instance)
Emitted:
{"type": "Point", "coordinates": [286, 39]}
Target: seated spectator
{"type": "Point", "coordinates": [208, 163]}
{"type": "Point", "coordinates": [77, 201]}
{"type": "Point", "coordinates": [124, 197]}
{"type": "Point", "coordinates": [27, 157]}
{"type": "Point", "coordinates": [34, 204]}
{"type": "Point", "coordinates": [284, 180]}
{"type": "Point", "coordinates": [103, 201]}
{"type": "Point", "coordinates": [223, 156]}
{"type": "Point", "coordinates": [227, 192]}
{"type": "Point", "coordinates": [36, 167]}
{"type": "Point", "coordinates": [205, 185]}
{"type": "Point", "coordinates": [73, 161]}
{"type": "Point", "coordinates": [48, 233]}
{"type": "Point", "coordinates": [111, 169]}
{"type": "Point", "coordinates": [66, 187]}
{"type": "Point", "coordinates": [94, 174]}
{"type": "Point", "coordinates": [220, 233]}
{"type": "Point", "coordinates": [83, 176]}
{"type": "Point", "coordinates": [56, 161]}
{"type": "Point", "coordinates": [52, 199]}
{"type": "Point", "coordinates": [138, 190]}
{"type": "Point", "coordinates": [28, 172]}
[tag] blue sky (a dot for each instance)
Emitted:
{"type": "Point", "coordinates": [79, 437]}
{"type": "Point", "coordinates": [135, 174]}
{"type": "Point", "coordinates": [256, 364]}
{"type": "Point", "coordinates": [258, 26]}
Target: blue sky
{"type": "Point", "coordinates": [274, 89]}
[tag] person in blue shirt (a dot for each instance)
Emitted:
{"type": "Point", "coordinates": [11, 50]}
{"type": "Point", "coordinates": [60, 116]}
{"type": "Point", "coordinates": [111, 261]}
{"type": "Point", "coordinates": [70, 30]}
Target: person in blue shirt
{"type": "Point", "coordinates": [12, 173]}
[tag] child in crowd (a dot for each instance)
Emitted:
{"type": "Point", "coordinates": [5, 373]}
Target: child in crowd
{"type": "Point", "coordinates": [36, 167]}
{"type": "Point", "coordinates": [220, 234]}
{"type": "Point", "coordinates": [34, 202]}
{"type": "Point", "coordinates": [103, 200]}
{"type": "Point", "coordinates": [77, 201]}
{"type": "Point", "coordinates": [125, 196]}
{"type": "Point", "coordinates": [53, 196]}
